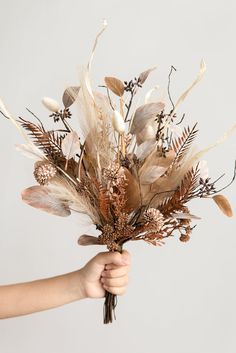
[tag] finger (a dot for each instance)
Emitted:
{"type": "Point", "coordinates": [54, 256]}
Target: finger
{"type": "Point", "coordinates": [115, 290]}
{"type": "Point", "coordinates": [109, 257]}
{"type": "Point", "coordinates": [125, 255]}
{"type": "Point", "coordinates": [117, 272]}
{"type": "Point", "coordinates": [115, 282]}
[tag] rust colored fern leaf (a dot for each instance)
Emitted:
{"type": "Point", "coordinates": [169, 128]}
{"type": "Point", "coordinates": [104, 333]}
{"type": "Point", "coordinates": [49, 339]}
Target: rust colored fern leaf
{"type": "Point", "coordinates": [183, 194]}
{"type": "Point", "coordinates": [48, 141]}
{"type": "Point", "coordinates": [182, 144]}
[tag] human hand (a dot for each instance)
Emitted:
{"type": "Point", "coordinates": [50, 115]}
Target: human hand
{"type": "Point", "coordinates": [105, 271]}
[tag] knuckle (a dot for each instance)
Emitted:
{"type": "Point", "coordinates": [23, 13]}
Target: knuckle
{"type": "Point", "coordinates": [116, 256]}
{"type": "Point", "coordinates": [112, 273]}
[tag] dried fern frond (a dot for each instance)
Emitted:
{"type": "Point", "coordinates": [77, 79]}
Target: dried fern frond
{"type": "Point", "coordinates": [182, 144]}
{"type": "Point", "coordinates": [48, 141]}
{"type": "Point", "coordinates": [183, 194]}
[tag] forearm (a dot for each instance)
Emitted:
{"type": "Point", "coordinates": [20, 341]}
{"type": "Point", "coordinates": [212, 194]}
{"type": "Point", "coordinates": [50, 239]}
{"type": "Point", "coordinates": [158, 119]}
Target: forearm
{"type": "Point", "coordinates": [30, 297]}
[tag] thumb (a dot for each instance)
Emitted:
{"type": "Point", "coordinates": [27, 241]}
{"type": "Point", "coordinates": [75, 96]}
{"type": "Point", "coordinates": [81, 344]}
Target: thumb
{"type": "Point", "coordinates": [116, 258]}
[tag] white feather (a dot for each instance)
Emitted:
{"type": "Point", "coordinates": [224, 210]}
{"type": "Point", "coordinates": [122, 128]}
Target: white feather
{"type": "Point", "coordinates": [30, 151]}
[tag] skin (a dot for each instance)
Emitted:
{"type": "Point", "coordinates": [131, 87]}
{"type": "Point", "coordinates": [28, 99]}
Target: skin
{"type": "Point", "coordinates": [106, 271]}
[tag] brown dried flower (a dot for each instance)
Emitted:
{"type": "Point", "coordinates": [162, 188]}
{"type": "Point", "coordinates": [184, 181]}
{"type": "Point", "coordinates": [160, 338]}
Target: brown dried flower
{"type": "Point", "coordinates": [114, 174]}
{"type": "Point", "coordinates": [153, 215]}
{"type": "Point", "coordinates": [184, 237]}
{"type": "Point", "coordinates": [44, 171]}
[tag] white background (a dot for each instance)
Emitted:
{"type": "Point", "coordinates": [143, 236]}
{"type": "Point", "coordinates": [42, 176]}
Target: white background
{"type": "Point", "coordinates": [181, 297]}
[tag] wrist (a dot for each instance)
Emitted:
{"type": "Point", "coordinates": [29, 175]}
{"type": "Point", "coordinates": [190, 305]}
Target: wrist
{"type": "Point", "coordinates": [77, 289]}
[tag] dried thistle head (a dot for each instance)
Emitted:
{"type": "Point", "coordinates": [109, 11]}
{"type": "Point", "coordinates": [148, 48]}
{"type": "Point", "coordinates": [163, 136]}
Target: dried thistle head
{"type": "Point", "coordinates": [44, 171]}
{"type": "Point", "coordinates": [154, 216]}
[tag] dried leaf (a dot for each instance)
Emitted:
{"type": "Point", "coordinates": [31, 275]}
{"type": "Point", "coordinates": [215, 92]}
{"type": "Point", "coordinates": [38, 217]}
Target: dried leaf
{"type": "Point", "coordinates": [88, 240]}
{"type": "Point", "coordinates": [70, 145]}
{"type": "Point", "coordinates": [132, 192]}
{"type": "Point", "coordinates": [40, 197]}
{"type": "Point", "coordinates": [204, 171]}
{"type": "Point", "coordinates": [182, 144]}
{"type": "Point", "coordinates": [145, 149]}
{"type": "Point", "coordinates": [148, 133]}
{"type": "Point", "coordinates": [143, 114]}
{"type": "Point", "coordinates": [48, 141]}
{"type": "Point", "coordinates": [151, 174]}
{"type": "Point", "coordinates": [182, 215]}
{"type": "Point", "coordinates": [197, 79]}
{"type": "Point", "coordinates": [223, 204]}
{"type": "Point", "coordinates": [115, 85]}
{"type": "Point", "coordinates": [144, 75]}
{"type": "Point", "coordinates": [70, 95]}
{"type": "Point", "coordinates": [183, 193]}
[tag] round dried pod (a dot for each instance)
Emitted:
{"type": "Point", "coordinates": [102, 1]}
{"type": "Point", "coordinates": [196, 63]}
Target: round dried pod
{"type": "Point", "coordinates": [44, 171]}
{"type": "Point", "coordinates": [184, 237]}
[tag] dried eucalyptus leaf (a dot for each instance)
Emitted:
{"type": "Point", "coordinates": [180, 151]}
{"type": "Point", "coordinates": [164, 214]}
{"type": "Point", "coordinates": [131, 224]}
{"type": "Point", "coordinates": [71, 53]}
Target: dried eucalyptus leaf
{"type": "Point", "coordinates": [70, 95]}
{"type": "Point", "coordinates": [223, 204]}
{"type": "Point", "coordinates": [143, 114]}
{"type": "Point", "coordinates": [40, 197]}
{"type": "Point", "coordinates": [115, 85]}
{"type": "Point", "coordinates": [151, 174]}
{"type": "Point", "coordinates": [88, 240]}
{"type": "Point", "coordinates": [182, 215]}
{"type": "Point", "coordinates": [144, 75]}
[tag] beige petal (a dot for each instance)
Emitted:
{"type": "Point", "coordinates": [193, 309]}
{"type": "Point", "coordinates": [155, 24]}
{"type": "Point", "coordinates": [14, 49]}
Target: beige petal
{"type": "Point", "coordinates": [88, 240]}
{"type": "Point", "coordinates": [115, 85]}
{"type": "Point", "coordinates": [223, 204]}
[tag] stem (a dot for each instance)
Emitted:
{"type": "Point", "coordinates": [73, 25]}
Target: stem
{"type": "Point", "coordinates": [110, 305]}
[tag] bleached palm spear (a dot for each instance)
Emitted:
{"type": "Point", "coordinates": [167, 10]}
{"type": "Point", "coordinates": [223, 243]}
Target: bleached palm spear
{"type": "Point", "coordinates": [130, 168]}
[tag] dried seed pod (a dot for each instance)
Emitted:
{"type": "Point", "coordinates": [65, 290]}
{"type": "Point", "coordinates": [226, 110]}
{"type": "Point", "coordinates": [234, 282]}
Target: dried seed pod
{"type": "Point", "coordinates": [44, 171]}
{"type": "Point", "coordinates": [51, 104]}
{"type": "Point", "coordinates": [184, 237]}
{"type": "Point", "coordinates": [223, 204]}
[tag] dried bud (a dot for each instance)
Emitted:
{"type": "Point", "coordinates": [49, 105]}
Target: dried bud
{"type": "Point", "coordinates": [44, 172]}
{"type": "Point", "coordinates": [184, 237]}
{"type": "Point", "coordinates": [51, 104]}
{"type": "Point", "coordinates": [118, 122]}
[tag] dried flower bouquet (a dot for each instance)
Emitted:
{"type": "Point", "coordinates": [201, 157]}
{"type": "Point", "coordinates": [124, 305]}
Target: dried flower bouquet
{"type": "Point", "coordinates": [130, 169]}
